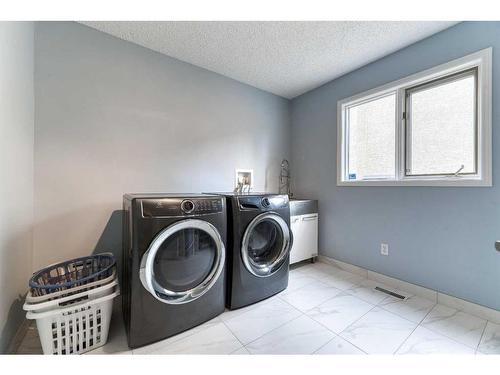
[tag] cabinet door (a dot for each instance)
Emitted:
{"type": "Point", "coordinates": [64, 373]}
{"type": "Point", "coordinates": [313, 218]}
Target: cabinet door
{"type": "Point", "coordinates": [309, 235]}
{"type": "Point", "coordinates": [295, 252]}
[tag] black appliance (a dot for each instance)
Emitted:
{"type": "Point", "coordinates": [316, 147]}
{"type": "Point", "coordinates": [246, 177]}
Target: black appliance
{"type": "Point", "coordinates": [259, 243]}
{"type": "Point", "coordinates": [174, 255]}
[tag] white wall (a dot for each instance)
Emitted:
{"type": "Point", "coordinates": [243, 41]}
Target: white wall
{"type": "Point", "coordinates": [113, 117]}
{"type": "Point", "coordinates": [16, 171]}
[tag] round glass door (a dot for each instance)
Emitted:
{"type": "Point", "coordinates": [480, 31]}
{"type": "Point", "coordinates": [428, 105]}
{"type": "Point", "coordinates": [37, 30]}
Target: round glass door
{"type": "Point", "coordinates": [183, 261]}
{"type": "Point", "coordinates": [265, 244]}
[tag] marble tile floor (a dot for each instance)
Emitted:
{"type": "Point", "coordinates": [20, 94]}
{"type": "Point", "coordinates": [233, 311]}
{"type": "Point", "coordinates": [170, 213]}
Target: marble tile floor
{"type": "Point", "coordinates": [325, 310]}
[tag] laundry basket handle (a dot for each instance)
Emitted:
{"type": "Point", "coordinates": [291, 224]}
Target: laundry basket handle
{"type": "Point", "coordinates": [34, 315]}
{"type": "Point", "coordinates": [62, 301]}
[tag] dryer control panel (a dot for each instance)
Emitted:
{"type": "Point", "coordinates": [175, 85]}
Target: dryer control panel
{"type": "Point", "coordinates": [175, 207]}
{"type": "Point", "coordinates": [270, 202]}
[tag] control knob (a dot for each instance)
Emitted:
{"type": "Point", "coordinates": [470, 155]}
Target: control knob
{"type": "Point", "coordinates": [265, 202]}
{"type": "Point", "coordinates": [187, 206]}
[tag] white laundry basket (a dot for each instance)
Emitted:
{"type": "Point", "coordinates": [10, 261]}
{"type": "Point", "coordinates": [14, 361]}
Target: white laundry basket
{"type": "Point", "coordinates": [64, 301]}
{"type": "Point", "coordinates": [77, 327]}
{"type": "Point", "coordinates": [32, 300]}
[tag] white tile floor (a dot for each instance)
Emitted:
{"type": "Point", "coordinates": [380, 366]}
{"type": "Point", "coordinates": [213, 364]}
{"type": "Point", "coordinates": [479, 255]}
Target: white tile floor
{"type": "Point", "coordinates": [326, 310]}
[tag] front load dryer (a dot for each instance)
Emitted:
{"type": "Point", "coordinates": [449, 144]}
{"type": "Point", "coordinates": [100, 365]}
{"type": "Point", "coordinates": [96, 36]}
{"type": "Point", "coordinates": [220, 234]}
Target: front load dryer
{"type": "Point", "coordinates": [174, 251]}
{"type": "Point", "coordinates": [259, 243]}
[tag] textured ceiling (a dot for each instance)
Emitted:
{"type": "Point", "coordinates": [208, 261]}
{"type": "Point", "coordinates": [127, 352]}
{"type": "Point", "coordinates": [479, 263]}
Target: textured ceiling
{"type": "Point", "coordinates": [285, 58]}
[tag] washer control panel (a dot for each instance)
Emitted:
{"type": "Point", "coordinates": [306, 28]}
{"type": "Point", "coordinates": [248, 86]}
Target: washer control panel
{"type": "Point", "coordinates": [270, 202]}
{"type": "Point", "coordinates": [208, 205]}
{"type": "Point", "coordinates": [173, 207]}
{"type": "Point", "coordinates": [187, 206]}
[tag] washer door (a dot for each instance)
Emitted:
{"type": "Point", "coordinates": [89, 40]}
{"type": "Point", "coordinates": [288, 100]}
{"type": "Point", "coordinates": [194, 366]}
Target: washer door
{"type": "Point", "coordinates": [183, 261]}
{"type": "Point", "coordinates": [266, 244]}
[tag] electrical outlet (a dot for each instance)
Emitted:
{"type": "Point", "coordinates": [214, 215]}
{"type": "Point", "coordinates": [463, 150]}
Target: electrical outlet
{"type": "Point", "coordinates": [384, 249]}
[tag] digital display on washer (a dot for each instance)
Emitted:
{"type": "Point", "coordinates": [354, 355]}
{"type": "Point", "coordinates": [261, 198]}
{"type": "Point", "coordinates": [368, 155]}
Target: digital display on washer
{"type": "Point", "coordinates": [168, 207]}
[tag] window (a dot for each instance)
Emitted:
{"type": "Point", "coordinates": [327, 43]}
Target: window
{"type": "Point", "coordinates": [441, 126]}
{"type": "Point", "coordinates": [370, 135]}
{"type": "Point", "coordinates": [429, 129]}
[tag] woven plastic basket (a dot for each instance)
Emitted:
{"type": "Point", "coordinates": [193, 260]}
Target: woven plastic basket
{"type": "Point", "coordinates": [62, 302]}
{"type": "Point", "coordinates": [78, 327]}
{"type": "Point", "coordinates": [70, 274]}
{"type": "Point", "coordinates": [30, 299]}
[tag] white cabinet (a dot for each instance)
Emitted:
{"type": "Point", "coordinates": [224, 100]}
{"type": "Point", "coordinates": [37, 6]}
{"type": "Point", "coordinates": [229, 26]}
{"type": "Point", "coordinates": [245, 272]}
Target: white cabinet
{"type": "Point", "coordinates": [305, 237]}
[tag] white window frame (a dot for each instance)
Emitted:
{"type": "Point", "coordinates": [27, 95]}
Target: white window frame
{"type": "Point", "coordinates": [482, 60]}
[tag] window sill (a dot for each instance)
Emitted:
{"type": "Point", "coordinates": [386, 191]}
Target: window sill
{"type": "Point", "coordinates": [448, 182]}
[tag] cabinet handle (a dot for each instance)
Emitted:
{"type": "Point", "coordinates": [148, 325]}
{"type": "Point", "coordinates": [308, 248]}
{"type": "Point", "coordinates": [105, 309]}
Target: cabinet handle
{"type": "Point", "coordinates": [308, 218]}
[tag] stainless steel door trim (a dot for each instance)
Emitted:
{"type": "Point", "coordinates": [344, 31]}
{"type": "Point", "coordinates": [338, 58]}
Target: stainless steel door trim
{"type": "Point", "coordinates": [266, 270]}
{"type": "Point", "coordinates": [146, 272]}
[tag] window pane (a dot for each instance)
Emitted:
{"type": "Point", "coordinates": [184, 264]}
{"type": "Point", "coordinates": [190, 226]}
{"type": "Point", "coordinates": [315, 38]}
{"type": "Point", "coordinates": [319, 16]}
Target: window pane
{"type": "Point", "coordinates": [371, 139]}
{"type": "Point", "coordinates": [442, 120]}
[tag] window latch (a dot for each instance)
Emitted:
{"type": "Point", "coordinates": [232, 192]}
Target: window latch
{"type": "Point", "coordinates": [459, 170]}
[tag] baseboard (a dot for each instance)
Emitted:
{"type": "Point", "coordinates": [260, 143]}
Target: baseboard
{"type": "Point", "coordinates": [434, 295]}
{"type": "Point", "coordinates": [343, 265]}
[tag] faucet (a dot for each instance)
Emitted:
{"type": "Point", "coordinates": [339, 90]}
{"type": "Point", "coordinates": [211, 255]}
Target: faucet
{"type": "Point", "coordinates": [284, 180]}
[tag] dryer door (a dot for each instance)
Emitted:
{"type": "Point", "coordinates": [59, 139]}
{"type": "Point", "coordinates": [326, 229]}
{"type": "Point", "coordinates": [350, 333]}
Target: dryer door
{"type": "Point", "coordinates": [183, 261]}
{"type": "Point", "coordinates": [266, 244]}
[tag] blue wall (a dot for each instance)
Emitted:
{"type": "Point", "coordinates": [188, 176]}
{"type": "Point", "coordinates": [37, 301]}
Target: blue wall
{"type": "Point", "coordinates": [440, 238]}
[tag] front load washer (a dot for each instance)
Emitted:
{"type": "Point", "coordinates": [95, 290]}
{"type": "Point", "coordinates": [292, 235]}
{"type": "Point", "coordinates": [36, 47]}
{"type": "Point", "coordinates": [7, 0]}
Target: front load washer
{"type": "Point", "coordinates": [174, 255]}
{"type": "Point", "coordinates": [259, 242]}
